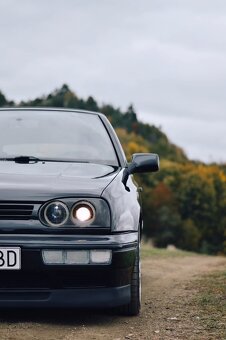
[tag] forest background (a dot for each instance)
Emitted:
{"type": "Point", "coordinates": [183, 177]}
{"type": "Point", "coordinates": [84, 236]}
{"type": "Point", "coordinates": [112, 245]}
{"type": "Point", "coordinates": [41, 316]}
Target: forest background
{"type": "Point", "coordinates": [185, 203]}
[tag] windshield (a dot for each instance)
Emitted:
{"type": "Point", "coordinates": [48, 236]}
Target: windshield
{"type": "Point", "coordinates": [55, 135]}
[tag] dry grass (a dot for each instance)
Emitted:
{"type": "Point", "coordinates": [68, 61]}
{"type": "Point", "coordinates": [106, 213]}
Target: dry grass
{"type": "Point", "coordinates": [211, 301]}
{"type": "Point", "coordinates": [150, 251]}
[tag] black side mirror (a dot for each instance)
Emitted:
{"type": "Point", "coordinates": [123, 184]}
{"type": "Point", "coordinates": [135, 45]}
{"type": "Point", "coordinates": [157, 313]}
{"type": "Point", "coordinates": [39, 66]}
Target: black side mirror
{"type": "Point", "coordinates": [144, 162]}
{"type": "Point", "coordinates": [141, 162]}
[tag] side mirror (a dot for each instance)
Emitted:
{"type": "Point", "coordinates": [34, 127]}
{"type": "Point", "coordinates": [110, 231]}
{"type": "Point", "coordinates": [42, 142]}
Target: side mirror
{"type": "Point", "coordinates": [144, 162]}
{"type": "Point", "coordinates": [141, 162]}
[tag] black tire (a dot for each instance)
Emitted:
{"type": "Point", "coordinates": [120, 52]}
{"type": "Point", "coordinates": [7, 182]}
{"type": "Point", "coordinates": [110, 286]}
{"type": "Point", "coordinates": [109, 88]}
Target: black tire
{"type": "Point", "coordinates": [133, 308]}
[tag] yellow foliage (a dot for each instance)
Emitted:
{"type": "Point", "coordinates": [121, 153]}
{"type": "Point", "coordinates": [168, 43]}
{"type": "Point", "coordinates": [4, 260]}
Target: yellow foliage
{"type": "Point", "coordinates": [132, 143]}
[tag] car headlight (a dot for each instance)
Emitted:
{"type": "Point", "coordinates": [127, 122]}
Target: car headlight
{"type": "Point", "coordinates": [71, 213]}
{"type": "Point", "coordinates": [83, 213]}
{"type": "Point", "coordinates": [55, 214]}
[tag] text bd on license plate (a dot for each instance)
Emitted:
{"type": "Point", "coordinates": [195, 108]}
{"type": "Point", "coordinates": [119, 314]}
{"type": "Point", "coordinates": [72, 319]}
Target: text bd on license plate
{"type": "Point", "coordinates": [10, 258]}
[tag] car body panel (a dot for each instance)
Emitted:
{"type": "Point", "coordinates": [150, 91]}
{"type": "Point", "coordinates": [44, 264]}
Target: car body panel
{"type": "Point", "coordinates": [125, 207]}
{"type": "Point", "coordinates": [51, 179]}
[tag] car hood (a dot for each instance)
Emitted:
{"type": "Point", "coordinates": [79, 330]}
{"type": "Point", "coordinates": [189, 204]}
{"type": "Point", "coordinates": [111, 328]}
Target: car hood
{"type": "Point", "coordinates": [53, 179]}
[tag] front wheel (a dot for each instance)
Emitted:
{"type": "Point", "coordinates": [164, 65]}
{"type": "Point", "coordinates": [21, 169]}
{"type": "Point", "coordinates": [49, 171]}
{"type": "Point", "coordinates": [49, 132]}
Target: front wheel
{"type": "Point", "coordinates": [133, 308]}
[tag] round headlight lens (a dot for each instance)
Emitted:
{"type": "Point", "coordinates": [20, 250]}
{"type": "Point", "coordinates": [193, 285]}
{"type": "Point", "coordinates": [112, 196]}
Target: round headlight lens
{"type": "Point", "coordinates": [56, 214]}
{"type": "Point", "coordinates": [83, 213]}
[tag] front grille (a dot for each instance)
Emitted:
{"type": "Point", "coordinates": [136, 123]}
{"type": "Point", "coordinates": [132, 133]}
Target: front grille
{"type": "Point", "coordinates": [15, 211]}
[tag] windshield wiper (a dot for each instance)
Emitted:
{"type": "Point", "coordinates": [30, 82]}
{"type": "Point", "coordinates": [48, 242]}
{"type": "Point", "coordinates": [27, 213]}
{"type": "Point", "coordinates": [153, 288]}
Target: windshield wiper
{"type": "Point", "coordinates": [22, 159]}
{"type": "Point", "coordinates": [33, 160]}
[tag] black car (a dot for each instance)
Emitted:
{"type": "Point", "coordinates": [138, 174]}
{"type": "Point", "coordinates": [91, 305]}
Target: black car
{"type": "Point", "coordinates": [70, 217]}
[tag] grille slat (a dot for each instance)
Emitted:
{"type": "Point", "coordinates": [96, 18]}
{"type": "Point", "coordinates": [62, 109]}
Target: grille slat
{"type": "Point", "coordinates": [16, 211]}
{"type": "Point", "coordinates": [6, 206]}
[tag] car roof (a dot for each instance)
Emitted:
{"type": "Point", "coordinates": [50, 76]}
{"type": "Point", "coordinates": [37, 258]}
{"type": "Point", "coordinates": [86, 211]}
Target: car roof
{"type": "Point", "coordinates": [50, 109]}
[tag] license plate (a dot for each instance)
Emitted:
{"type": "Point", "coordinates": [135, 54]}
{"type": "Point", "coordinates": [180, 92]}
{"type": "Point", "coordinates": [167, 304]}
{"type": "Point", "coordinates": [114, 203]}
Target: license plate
{"type": "Point", "coordinates": [10, 258]}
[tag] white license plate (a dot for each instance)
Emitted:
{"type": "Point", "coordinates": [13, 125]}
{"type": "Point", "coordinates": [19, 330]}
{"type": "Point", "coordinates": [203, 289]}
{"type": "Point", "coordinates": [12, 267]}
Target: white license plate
{"type": "Point", "coordinates": [10, 258]}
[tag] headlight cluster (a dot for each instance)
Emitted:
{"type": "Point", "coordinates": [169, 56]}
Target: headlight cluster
{"type": "Point", "coordinates": [57, 214]}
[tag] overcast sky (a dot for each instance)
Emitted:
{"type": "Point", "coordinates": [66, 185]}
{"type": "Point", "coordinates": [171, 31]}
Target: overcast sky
{"type": "Point", "coordinates": [167, 57]}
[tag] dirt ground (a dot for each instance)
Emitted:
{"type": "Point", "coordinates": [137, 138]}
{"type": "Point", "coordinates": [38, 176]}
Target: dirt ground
{"type": "Point", "coordinates": [168, 310]}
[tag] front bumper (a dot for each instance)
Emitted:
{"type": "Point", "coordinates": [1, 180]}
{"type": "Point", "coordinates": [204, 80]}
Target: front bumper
{"type": "Point", "coordinates": [76, 298]}
{"type": "Point", "coordinates": [37, 284]}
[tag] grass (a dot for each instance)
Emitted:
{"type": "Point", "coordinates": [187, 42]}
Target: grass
{"type": "Point", "coordinates": [149, 251]}
{"type": "Point", "coordinates": [211, 302]}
